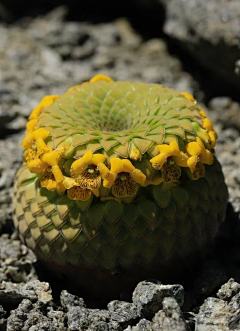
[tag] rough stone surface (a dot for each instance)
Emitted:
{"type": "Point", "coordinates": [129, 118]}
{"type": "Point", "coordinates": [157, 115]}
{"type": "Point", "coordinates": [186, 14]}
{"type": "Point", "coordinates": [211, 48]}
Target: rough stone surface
{"type": "Point", "coordinates": [35, 290]}
{"type": "Point", "coordinates": [228, 290]}
{"type": "Point", "coordinates": [209, 30]}
{"type": "Point", "coordinates": [35, 60]}
{"type": "Point", "coordinates": [148, 296]}
{"type": "Point", "coordinates": [124, 313]}
{"type": "Point", "coordinates": [16, 261]}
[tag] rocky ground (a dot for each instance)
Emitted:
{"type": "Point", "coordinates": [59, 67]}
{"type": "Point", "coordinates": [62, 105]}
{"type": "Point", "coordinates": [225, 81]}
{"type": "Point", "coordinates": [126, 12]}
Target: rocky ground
{"type": "Point", "coordinates": [35, 60]}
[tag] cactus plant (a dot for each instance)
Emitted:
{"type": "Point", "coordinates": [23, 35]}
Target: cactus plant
{"type": "Point", "coordinates": [118, 176]}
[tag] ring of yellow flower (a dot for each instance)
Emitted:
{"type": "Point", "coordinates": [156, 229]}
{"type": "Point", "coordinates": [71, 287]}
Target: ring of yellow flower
{"type": "Point", "coordinates": [196, 152]}
{"type": "Point", "coordinates": [80, 168]}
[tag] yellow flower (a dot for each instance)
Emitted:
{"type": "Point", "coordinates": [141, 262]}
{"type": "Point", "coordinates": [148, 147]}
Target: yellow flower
{"type": "Point", "coordinates": [166, 151]}
{"type": "Point", "coordinates": [198, 153]}
{"type": "Point", "coordinates": [188, 96]}
{"type": "Point", "coordinates": [33, 136]}
{"type": "Point", "coordinates": [46, 101]}
{"type": "Point", "coordinates": [100, 77]}
{"type": "Point", "coordinates": [88, 172]}
{"type": "Point", "coordinates": [171, 173]}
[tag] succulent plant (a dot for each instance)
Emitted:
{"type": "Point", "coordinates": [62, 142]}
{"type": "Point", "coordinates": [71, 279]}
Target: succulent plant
{"type": "Point", "coordinates": [118, 176]}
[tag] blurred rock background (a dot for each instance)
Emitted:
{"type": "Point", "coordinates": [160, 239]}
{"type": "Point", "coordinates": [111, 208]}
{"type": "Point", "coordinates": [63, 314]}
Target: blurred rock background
{"type": "Point", "coordinates": [189, 45]}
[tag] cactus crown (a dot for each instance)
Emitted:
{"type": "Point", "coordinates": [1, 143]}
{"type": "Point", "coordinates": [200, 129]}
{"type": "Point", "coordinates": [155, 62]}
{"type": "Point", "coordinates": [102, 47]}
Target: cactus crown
{"type": "Point", "coordinates": [112, 139]}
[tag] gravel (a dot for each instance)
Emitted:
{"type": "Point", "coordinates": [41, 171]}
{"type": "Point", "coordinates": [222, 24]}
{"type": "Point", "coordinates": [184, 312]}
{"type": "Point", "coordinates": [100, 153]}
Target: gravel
{"type": "Point", "coordinates": [35, 60]}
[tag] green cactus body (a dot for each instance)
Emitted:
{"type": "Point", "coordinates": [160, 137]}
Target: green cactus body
{"type": "Point", "coordinates": [118, 175]}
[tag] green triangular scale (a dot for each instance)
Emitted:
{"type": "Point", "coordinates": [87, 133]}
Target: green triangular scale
{"type": "Point", "coordinates": [171, 114]}
{"type": "Point", "coordinates": [123, 140]}
{"type": "Point", "coordinates": [186, 125]}
{"type": "Point", "coordinates": [78, 139]}
{"type": "Point", "coordinates": [157, 138]}
{"type": "Point", "coordinates": [94, 146]}
{"type": "Point", "coordinates": [168, 138]}
{"type": "Point", "coordinates": [148, 210]}
{"type": "Point", "coordinates": [108, 144]}
{"type": "Point", "coordinates": [130, 214]}
{"type": "Point", "coordinates": [80, 151]}
{"type": "Point", "coordinates": [142, 144]}
{"type": "Point", "coordinates": [122, 150]}
{"type": "Point", "coordinates": [170, 211]}
{"type": "Point", "coordinates": [162, 198]}
{"type": "Point", "coordinates": [186, 113]}
{"type": "Point", "coordinates": [58, 141]}
{"type": "Point", "coordinates": [172, 122]}
{"type": "Point", "coordinates": [84, 205]}
{"type": "Point", "coordinates": [180, 195]}
{"type": "Point", "coordinates": [120, 238]}
{"type": "Point", "coordinates": [113, 211]}
{"type": "Point", "coordinates": [91, 100]}
{"type": "Point", "coordinates": [177, 131]}
{"type": "Point", "coordinates": [157, 130]}
{"type": "Point", "coordinates": [89, 137]}
{"type": "Point", "coordinates": [131, 96]}
{"type": "Point", "coordinates": [153, 150]}
{"type": "Point", "coordinates": [96, 214]}
{"type": "Point", "coordinates": [138, 228]}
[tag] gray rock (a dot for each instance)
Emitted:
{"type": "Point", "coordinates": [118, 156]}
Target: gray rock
{"type": "Point", "coordinates": [35, 290]}
{"type": "Point", "coordinates": [209, 30]}
{"type": "Point", "coordinates": [34, 317]}
{"type": "Point", "coordinates": [69, 300]}
{"type": "Point", "coordinates": [149, 296]}
{"type": "Point", "coordinates": [124, 313]}
{"type": "Point", "coordinates": [212, 315]}
{"type": "Point", "coordinates": [16, 261]}
{"type": "Point", "coordinates": [143, 325]}
{"type": "Point", "coordinates": [169, 318]}
{"type": "Point", "coordinates": [90, 320]}
{"type": "Point", "coordinates": [228, 290]}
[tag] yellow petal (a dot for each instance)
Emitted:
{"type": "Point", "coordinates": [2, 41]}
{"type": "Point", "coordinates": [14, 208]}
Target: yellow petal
{"type": "Point", "coordinates": [201, 144]}
{"type": "Point", "coordinates": [30, 126]}
{"type": "Point", "coordinates": [42, 147]}
{"type": "Point", "coordinates": [206, 157]}
{"type": "Point", "coordinates": [96, 192]}
{"type": "Point", "coordinates": [100, 77]}
{"type": "Point", "coordinates": [109, 180]}
{"type": "Point", "coordinates": [116, 165]}
{"type": "Point", "coordinates": [207, 124]}
{"type": "Point", "coordinates": [98, 158]}
{"type": "Point", "coordinates": [60, 188]}
{"type": "Point", "coordinates": [202, 113]}
{"type": "Point", "coordinates": [87, 157]}
{"type": "Point", "coordinates": [37, 166]}
{"type": "Point", "coordinates": [78, 167]}
{"type": "Point", "coordinates": [69, 182]}
{"type": "Point", "coordinates": [165, 149]}
{"type": "Point", "coordinates": [212, 136]}
{"type": "Point", "coordinates": [47, 180]}
{"type": "Point", "coordinates": [193, 148]}
{"type": "Point", "coordinates": [138, 176]}
{"type": "Point", "coordinates": [51, 158]}
{"type": "Point", "coordinates": [188, 96]}
{"type": "Point", "coordinates": [181, 159]}
{"type": "Point", "coordinates": [198, 172]}
{"type": "Point", "coordinates": [46, 101]}
{"type": "Point", "coordinates": [192, 162]}
{"type": "Point", "coordinates": [57, 174]}
{"type": "Point", "coordinates": [158, 161]}
{"type": "Point", "coordinates": [103, 169]}
{"type": "Point", "coordinates": [127, 166]}
{"type": "Point", "coordinates": [78, 193]}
